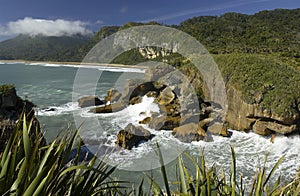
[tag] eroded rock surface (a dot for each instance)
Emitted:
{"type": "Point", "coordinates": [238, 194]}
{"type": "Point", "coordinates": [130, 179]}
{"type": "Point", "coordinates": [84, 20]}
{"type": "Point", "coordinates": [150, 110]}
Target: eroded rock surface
{"type": "Point", "coordinates": [132, 135]}
{"type": "Point", "coordinates": [89, 101]}
{"type": "Point", "coordinates": [244, 117]}
{"type": "Point", "coordinates": [189, 132]}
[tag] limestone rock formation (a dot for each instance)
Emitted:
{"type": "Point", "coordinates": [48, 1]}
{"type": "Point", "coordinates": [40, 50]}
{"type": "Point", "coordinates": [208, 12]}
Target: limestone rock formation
{"type": "Point", "coordinates": [114, 107]}
{"type": "Point", "coordinates": [158, 71]}
{"type": "Point", "coordinates": [132, 135]}
{"type": "Point", "coordinates": [244, 117]}
{"type": "Point", "coordinates": [145, 120]}
{"type": "Point", "coordinates": [89, 101]}
{"type": "Point", "coordinates": [166, 96]}
{"type": "Point", "coordinates": [113, 95]}
{"type": "Point", "coordinates": [218, 128]}
{"type": "Point", "coordinates": [164, 122]}
{"type": "Point", "coordinates": [189, 132]}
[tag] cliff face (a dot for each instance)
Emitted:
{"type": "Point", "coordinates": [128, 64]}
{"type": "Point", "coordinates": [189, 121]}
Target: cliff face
{"type": "Point", "coordinates": [243, 116]}
{"type": "Point", "coordinates": [11, 110]}
{"type": "Point", "coordinates": [266, 100]}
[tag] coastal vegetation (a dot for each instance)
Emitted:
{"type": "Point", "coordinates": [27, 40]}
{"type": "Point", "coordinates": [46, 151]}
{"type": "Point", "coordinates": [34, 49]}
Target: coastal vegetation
{"type": "Point", "coordinates": [26, 169]}
{"type": "Point", "coordinates": [259, 57]}
{"type": "Point", "coordinates": [266, 32]}
{"type": "Point", "coordinates": [40, 48]}
{"type": "Point", "coordinates": [4, 89]}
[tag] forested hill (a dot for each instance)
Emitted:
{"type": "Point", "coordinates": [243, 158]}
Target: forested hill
{"type": "Point", "coordinates": [264, 32]}
{"type": "Point", "coordinates": [276, 31]}
{"type": "Point", "coordinates": [40, 48]}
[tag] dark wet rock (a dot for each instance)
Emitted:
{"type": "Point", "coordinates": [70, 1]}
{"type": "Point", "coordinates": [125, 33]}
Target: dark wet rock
{"type": "Point", "coordinates": [135, 100]}
{"type": "Point", "coordinates": [152, 94]}
{"type": "Point", "coordinates": [12, 108]}
{"type": "Point", "coordinates": [189, 132]}
{"type": "Point", "coordinates": [172, 109]}
{"type": "Point", "coordinates": [165, 122]}
{"type": "Point", "coordinates": [166, 96]}
{"type": "Point", "coordinates": [8, 99]}
{"type": "Point", "coordinates": [112, 96]}
{"type": "Point", "coordinates": [129, 86]}
{"type": "Point", "coordinates": [89, 101]}
{"type": "Point", "coordinates": [49, 109]}
{"type": "Point", "coordinates": [132, 135]}
{"type": "Point", "coordinates": [145, 120]}
{"type": "Point", "coordinates": [148, 89]}
{"type": "Point", "coordinates": [204, 123]}
{"type": "Point", "coordinates": [114, 107]}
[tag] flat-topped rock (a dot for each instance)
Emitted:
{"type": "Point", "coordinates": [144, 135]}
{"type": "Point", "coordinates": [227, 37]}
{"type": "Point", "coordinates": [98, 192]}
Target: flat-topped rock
{"type": "Point", "coordinates": [89, 101]}
{"type": "Point", "coordinates": [189, 132]}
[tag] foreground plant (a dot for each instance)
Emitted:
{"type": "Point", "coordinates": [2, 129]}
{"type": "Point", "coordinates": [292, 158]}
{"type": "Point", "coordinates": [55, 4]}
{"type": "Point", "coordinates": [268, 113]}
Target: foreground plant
{"type": "Point", "coordinates": [207, 181]}
{"type": "Point", "coordinates": [26, 169]}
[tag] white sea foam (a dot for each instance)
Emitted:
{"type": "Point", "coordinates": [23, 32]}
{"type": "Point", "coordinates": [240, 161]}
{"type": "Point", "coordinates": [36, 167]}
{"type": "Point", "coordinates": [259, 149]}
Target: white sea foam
{"type": "Point", "coordinates": [101, 68]}
{"type": "Point", "coordinates": [58, 110]}
{"type": "Point", "coordinates": [131, 114]}
{"type": "Point", "coordinates": [250, 148]}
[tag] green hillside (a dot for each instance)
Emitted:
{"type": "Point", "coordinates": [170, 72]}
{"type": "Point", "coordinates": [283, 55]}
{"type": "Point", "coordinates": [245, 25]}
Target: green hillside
{"type": "Point", "coordinates": [39, 48]}
{"type": "Point", "coordinates": [266, 32]}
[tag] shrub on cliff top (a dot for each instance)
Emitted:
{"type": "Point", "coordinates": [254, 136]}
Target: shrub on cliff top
{"type": "Point", "coordinates": [274, 80]}
{"type": "Point", "coordinates": [6, 87]}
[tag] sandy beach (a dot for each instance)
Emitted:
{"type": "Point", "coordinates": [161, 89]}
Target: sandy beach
{"type": "Point", "coordinates": [75, 63]}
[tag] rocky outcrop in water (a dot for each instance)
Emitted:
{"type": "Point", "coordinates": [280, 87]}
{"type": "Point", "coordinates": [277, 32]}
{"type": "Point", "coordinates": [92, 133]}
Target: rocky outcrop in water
{"type": "Point", "coordinates": [114, 107]}
{"type": "Point", "coordinates": [12, 108]}
{"type": "Point", "coordinates": [89, 101]}
{"type": "Point", "coordinates": [184, 111]}
{"type": "Point", "coordinates": [189, 132]}
{"type": "Point", "coordinates": [112, 96]}
{"type": "Point", "coordinates": [132, 135]}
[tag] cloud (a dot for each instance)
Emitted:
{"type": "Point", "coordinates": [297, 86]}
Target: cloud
{"type": "Point", "coordinates": [99, 22]}
{"type": "Point", "coordinates": [33, 27]}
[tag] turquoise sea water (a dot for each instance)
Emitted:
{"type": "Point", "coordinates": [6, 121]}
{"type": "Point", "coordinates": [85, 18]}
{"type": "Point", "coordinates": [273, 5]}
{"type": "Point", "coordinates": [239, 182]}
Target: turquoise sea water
{"type": "Point", "coordinates": [51, 86]}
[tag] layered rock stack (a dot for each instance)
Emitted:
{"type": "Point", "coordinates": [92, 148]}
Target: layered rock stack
{"type": "Point", "coordinates": [184, 111]}
{"type": "Point", "coordinates": [12, 108]}
{"type": "Point", "coordinates": [181, 111]}
{"type": "Point", "coordinates": [245, 117]}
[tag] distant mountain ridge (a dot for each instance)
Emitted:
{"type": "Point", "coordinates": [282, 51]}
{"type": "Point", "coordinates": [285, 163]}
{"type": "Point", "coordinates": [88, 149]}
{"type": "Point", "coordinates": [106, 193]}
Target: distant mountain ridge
{"type": "Point", "coordinates": [276, 31]}
{"type": "Point", "coordinates": [39, 48]}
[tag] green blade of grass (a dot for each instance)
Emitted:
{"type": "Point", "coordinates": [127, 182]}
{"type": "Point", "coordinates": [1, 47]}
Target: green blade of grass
{"type": "Point", "coordinates": [26, 139]}
{"type": "Point", "coordinates": [46, 156]}
{"type": "Point", "coordinates": [233, 172]}
{"type": "Point", "coordinates": [163, 170]}
{"type": "Point", "coordinates": [154, 185]}
{"type": "Point", "coordinates": [182, 176]}
{"type": "Point", "coordinates": [259, 183]}
{"type": "Point", "coordinates": [273, 170]}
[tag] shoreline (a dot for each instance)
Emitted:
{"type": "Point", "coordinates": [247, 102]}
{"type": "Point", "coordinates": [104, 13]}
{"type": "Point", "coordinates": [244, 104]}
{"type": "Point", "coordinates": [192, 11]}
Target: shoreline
{"type": "Point", "coordinates": [74, 63]}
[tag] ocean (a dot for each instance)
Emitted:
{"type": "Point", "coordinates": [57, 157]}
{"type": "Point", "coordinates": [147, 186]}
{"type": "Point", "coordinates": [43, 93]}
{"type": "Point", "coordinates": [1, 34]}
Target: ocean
{"type": "Point", "coordinates": [50, 86]}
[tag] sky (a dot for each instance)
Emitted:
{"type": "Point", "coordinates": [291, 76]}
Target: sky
{"type": "Point", "coordinates": [68, 17]}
